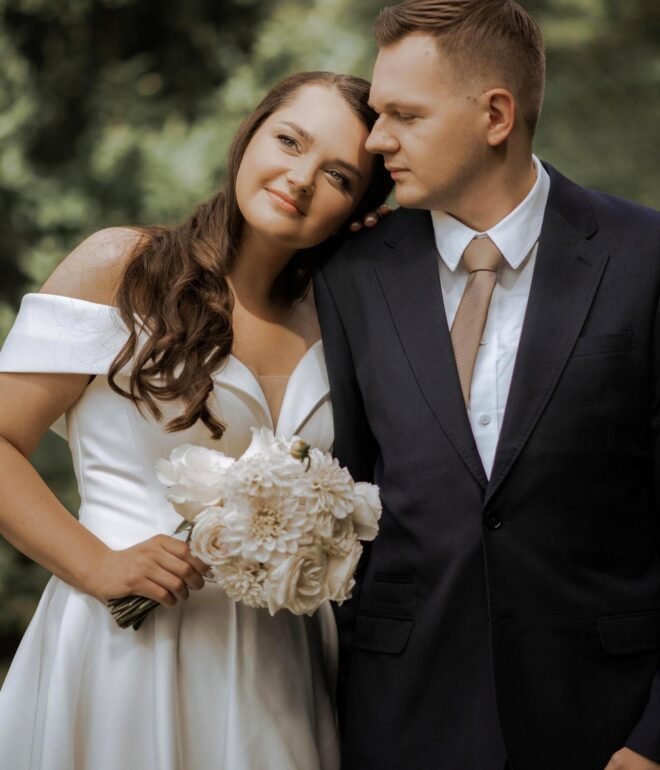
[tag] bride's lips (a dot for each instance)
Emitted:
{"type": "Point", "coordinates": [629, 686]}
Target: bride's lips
{"type": "Point", "coordinates": [285, 202]}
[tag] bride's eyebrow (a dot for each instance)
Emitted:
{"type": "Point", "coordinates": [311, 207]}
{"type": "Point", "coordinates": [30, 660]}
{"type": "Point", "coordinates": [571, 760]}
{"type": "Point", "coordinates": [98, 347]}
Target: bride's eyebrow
{"type": "Point", "coordinates": [299, 130]}
{"type": "Point", "coordinates": [347, 166]}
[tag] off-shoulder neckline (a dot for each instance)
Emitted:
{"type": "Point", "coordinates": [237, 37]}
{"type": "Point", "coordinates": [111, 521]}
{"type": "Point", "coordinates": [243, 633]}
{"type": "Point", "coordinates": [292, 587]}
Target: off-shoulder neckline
{"type": "Point", "coordinates": [66, 297]}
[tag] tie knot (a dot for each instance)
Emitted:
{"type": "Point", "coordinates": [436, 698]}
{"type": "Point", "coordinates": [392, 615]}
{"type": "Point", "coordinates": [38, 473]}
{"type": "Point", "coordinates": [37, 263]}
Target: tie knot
{"type": "Point", "coordinates": [482, 254]}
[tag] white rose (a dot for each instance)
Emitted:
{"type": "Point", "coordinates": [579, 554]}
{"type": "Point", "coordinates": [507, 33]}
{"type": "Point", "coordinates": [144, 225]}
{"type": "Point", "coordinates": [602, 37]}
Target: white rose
{"type": "Point", "coordinates": [340, 580]}
{"type": "Point", "coordinates": [367, 510]}
{"type": "Point", "coordinates": [298, 584]}
{"type": "Point", "coordinates": [206, 541]}
{"type": "Point", "coordinates": [195, 477]}
{"type": "Point", "coordinates": [335, 536]}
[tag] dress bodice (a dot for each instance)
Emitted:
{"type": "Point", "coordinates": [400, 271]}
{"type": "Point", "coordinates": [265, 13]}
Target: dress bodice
{"type": "Point", "coordinates": [114, 446]}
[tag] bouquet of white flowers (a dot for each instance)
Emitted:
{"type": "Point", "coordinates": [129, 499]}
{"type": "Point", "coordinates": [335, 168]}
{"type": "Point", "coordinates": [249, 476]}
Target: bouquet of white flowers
{"type": "Point", "coordinates": [279, 527]}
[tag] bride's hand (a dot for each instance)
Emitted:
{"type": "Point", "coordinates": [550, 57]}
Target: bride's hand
{"type": "Point", "coordinates": [161, 568]}
{"type": "Point", "coordinates": [371, 219]}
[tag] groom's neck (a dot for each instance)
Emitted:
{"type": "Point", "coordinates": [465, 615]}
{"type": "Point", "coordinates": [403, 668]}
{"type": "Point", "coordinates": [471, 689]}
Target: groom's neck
{"type": "Point", "coordinates": [502, 187]}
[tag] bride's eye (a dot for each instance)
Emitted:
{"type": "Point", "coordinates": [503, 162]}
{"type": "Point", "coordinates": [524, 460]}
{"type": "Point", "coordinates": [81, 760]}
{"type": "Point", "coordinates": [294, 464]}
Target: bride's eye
{"type": "Point", "coordinates": [288, 141]}
{"type": "Point", "coordinates": [341, 179]}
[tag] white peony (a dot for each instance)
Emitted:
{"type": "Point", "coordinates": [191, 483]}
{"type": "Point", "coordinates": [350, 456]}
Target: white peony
{"type": "Point", "coordinates": [195, 477]}
{"type": "Point", "coordinates": [298, 584]}
{"type": "Point", "coordinates": [367, 510]}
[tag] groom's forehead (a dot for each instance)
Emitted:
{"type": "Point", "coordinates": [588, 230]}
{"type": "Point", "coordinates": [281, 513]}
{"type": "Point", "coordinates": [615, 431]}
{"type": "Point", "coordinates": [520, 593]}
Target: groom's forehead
{"type": "Point", "coordinates": [398, 82]}
{"type": "Point", "coordinates": [413, 52]}
{"type": "Point", "coordinates": [413, 63]}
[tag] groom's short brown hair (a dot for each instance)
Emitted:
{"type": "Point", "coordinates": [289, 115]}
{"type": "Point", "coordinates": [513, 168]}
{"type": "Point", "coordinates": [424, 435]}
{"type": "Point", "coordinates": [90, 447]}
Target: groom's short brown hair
{"type": "Point", "coordinates": [480, 37]}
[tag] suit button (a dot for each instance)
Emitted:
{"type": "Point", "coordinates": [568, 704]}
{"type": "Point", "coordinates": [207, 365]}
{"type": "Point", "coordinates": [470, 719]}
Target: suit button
{"type": "Point", "coordinates": [493, 521]}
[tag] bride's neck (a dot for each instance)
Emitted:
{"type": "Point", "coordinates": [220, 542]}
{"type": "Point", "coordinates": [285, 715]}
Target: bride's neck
{"type": "Point", "coordinates": [257, 267]}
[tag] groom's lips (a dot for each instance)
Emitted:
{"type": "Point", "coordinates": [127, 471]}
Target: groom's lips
{"type": "Point", "coordinates": [395, 171]}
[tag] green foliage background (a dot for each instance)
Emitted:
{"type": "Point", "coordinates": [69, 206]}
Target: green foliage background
{"type": "Point", "coordinates": [120, 111]}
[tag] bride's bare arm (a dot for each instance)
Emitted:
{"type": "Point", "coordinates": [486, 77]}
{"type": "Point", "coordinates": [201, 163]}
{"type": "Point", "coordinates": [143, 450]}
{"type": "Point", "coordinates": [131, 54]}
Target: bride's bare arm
{"type": "Point", "coordinates": [31, 518]}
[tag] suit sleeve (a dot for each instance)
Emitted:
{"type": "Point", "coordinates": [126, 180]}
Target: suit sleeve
{"type": "Point", "coordinates": [354, 446]}
{"type": "Point", "coordinates": [645, 738]}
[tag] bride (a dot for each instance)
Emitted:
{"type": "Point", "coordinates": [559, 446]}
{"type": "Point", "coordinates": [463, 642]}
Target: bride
{"type": "Point", "coordinates": [141, 340]}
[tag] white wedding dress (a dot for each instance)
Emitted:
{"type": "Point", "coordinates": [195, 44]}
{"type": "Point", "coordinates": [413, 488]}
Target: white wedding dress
{"type": "Point", "coordinates": [208, 685]}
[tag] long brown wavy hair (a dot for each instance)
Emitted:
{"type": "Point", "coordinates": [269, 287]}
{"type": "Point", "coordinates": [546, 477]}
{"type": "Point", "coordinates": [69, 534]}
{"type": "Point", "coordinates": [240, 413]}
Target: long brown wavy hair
{"type": "Point", "coordinates": [174, 296]}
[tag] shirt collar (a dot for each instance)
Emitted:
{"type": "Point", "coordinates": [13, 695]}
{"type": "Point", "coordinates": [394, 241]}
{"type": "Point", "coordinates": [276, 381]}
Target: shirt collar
{"type": "Point", "coordinates": [514, 236]}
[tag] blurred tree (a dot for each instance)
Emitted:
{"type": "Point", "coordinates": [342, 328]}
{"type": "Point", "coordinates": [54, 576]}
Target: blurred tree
{"type": "Point", "coordinates": [120, 111]}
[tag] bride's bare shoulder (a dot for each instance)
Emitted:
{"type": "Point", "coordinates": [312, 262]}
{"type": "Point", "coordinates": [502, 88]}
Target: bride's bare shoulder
{"type": "Point", "coordinates": [93, 270]}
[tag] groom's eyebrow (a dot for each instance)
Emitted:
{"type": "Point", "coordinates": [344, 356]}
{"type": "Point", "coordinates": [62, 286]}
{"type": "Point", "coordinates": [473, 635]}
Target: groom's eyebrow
{"type": "Point", "coordinates": [392, 106]}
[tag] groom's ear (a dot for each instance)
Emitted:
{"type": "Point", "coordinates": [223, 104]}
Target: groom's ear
{"type": "Point", "coordinates": [501, 107]}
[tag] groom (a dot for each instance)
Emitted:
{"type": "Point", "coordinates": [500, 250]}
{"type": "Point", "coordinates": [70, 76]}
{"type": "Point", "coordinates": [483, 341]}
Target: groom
{"type": "Point", "coordinates": [494, 358]}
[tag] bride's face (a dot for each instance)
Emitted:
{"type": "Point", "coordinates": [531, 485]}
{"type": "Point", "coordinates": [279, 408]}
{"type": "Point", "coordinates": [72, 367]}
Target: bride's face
{"type": "Point", "coordinates": [304, 171]}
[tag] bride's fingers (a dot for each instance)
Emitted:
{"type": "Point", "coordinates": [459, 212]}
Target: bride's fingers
{"type": "Point", "coordinates": [374, 217]}
{"type": "Point", "coordinates": [181, 550]}
{"type": "Point", "coordinates": [153, 590]}
{"type": "Point", "coordinates": [371, 219]}
{"type": "Point", "coordinates": [198, 565]}
{"type": "Point", "coordinates": [173, 583]}
{"type": "Point", "coordinates": [182, 568]}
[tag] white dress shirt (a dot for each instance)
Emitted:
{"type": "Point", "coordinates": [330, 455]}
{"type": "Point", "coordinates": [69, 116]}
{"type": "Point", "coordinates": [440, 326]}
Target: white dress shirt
{"type": "Point", "coordinates": [516, 236]}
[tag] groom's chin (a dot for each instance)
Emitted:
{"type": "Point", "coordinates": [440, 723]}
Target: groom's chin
{"type": "Point", "coordinates": [408, 200]}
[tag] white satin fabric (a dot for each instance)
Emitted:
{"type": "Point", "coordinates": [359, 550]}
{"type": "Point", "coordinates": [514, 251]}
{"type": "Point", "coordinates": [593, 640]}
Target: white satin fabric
{"type": "Point", "coordinates": [208, 685]}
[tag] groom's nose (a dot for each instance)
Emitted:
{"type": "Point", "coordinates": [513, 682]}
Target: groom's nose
{"type": "Point", "coordinates": [381, 141]}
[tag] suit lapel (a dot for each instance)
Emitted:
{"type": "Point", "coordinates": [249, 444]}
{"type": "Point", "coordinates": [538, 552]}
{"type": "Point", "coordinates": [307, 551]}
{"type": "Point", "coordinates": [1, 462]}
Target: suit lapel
{"type": "Point", "coordinates": [566, 276]}
{"type": "Point", "coordinates": [410, 280]}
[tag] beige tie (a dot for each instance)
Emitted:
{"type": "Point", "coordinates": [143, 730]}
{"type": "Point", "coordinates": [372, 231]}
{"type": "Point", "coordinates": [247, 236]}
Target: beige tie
{"type": "Point", "coordinates": [481, 258]}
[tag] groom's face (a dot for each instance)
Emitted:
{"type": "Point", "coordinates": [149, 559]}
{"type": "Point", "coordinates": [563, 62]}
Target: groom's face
{"type": "Point", "coordinates": [432, 124]}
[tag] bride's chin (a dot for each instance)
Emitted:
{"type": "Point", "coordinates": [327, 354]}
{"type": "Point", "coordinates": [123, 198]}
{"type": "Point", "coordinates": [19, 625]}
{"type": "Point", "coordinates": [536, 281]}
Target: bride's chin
{"type": "Point", "coordinates": [278, 235]}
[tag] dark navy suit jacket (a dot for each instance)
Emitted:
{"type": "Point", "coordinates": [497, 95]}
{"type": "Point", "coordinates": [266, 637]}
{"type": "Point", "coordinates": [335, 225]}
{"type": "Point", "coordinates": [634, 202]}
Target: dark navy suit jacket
{"type": "Point", "coordinates": [518, 615]}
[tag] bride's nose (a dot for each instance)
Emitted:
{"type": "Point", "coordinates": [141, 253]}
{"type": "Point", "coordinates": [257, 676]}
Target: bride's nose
{"type": "Point", "coordinates": [301, 178]}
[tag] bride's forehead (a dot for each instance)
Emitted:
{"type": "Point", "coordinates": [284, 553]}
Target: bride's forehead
{"type": "Point", "coordinates": [316, 105]}
{"type": "Point", "coordinates": [319, 113]}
